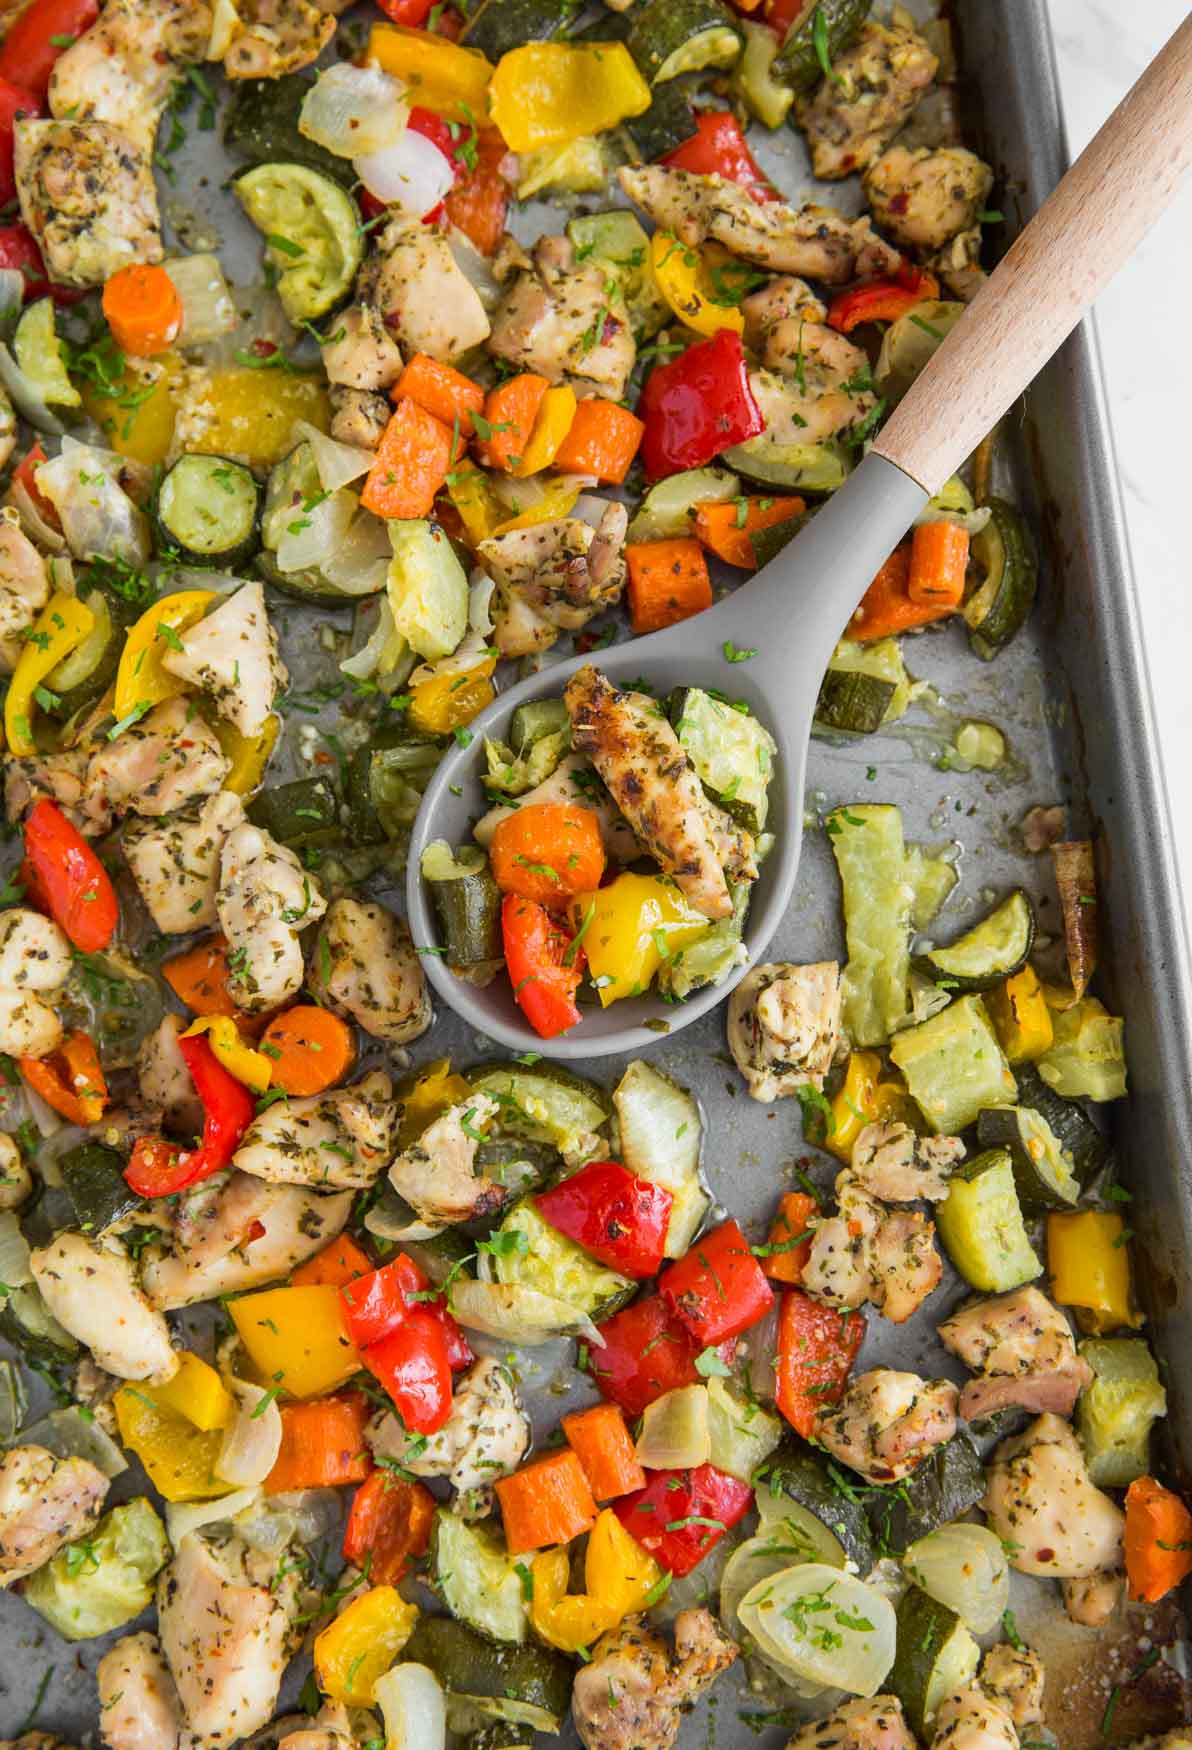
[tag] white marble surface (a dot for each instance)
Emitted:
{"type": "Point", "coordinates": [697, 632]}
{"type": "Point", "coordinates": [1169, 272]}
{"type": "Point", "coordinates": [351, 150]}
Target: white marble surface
{"type": "Point", "coordinates": [1102, 47]}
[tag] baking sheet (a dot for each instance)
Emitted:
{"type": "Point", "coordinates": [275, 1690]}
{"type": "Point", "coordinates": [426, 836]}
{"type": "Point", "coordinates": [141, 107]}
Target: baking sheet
{"type": "Point", "coordinates": [1071, 695]}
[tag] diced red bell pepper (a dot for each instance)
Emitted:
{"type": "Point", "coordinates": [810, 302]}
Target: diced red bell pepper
{"type": "Point", "coordinates": [15, 101]}
{"type": "Point", "coordinates": [618, 1217]}
{"type": "Point", "coordinates": [375, 1304]}
{"type": "Point", "coordinates": [681, 1514]}
{"type": "Point", "coordinates": [81, 897]}
{"type": "Point", "coordinates": [388, 1527]}
{"type": "Point", "coordinates": [646, 1352]}
{"type": "Point", "coordinates": [718, 1289]}
{"type": "Point", "coordinates": [544, 985]}
{"type": "Point", "coordinates": [882, 300]}
{"type": "Point", "coordinates": [413, 1366]}
{"type": "Point", "coordinates": [42, 33]}
{"type": "Point", "coordinates": [452, 138]}
{"type": "Point", "coordinates": [26, 472]}
{"type": "Point", "coordinates": [158, 1168]}
{"type": "Point", "coordinates": [411, 13]}
{"type": "Point", "coordinates": [477, 205]}
{"type": "Point", "coordinates": [816, 1349]}
{"type": "Point", "coordinates": [718, 148]}
{"type": "Point", "coordinates": [781, 14]}
{"type": "Point", "coordinates": [19, 250]}
{"type": "Point", "coordinates": [697, 405]}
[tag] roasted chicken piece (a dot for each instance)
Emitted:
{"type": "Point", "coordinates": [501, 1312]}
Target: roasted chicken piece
{"type": "Point", "coordinates": [873, 1723]}
{"type": "Point", "coordinates": [1014, 1677]}
{"type": "Point", "coordinates": [969, 1720]}
{"type": "Point", "coordinates": [875, 85]}
{"type": "Point", "coordinates": [232, 654]}
{"type": "Point", "coordinates": [330, 1142]}
{"type": "Point", "coordinates": [167, 760]}
{"type": "Point", "coordinates": [426, 302]}
{"type": "Point", "coordinates": [783, 1027]}
{"type": "Point", "coordinates": [1040, 1502]}
{"type": "Point", "coordinates": [926, 198]}
{"type": "Point", "coordinates": [24, 587]}
{"type": "Point", "coordinates": [553, 577]}
{"type": "Point", "coordinates": [1022, 1349]}
{"type": "Point", "coordinates": [87, 194]}
{"type": "Point", "coordinates": [437, 1173]}
{"type": "Point", "coordinates": [818, 384]}
{"type": "Point", "coordinates": [139, 1707]}
{"type": "Point", "coordinates": [45, 1502]}
{"type": "Point", "coordinates": [634, 1691]}
{"type": "Point", "coordinates": [887, 1422]}
{"type": "Point", "coordinates": [123, 70]}
{"type": "Point", "coordinates": [363, 354]}
{"type": "Point", "coordinates": [1091, 1599]}
{"type": "Point", "coordinates": [280, 36]}
{"type": "Point", "coordinates": [486, 1436]}
{"type": "Point", "coordinates": [365, 966]}
{"type": "Point", "coordinates": [175, 860]}
{"type": "Point", "coordinates": [92, 1290]}
{"type": "Point", "coordinates": [232, 1232]}
{"type": "Point", "coordinates": [264, 899]}
{"type": "Point", "coordinates": [557, 317]}
{"type": "Point", "coordinates": [891, 1162]}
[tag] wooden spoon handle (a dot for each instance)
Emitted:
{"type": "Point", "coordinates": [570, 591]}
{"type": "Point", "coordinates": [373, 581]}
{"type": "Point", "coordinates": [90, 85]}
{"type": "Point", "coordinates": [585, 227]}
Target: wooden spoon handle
{"type": "Point", "coordinates": [1055, 270]}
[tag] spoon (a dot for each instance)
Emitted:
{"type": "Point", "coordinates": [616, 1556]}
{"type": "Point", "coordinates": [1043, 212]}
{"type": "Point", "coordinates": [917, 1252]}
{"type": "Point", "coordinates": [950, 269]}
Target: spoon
{"type": "Point", "coordinates": [791, 614]}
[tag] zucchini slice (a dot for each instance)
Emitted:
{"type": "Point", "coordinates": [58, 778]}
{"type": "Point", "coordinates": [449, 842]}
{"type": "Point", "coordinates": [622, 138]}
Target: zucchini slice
{"type": "Point", "coordinates": [669, 121]}
{"type": "Point", "coordinates": [619, 243]}
{"type": "Point", "coordinates": [206, 509]}
{"type": "Point", "coordinates": [741, 1434]}
{"type": "Point", "coordinates": [385, 781]}
{"type": "Point", "coordinates": [1086, 1146]}
{"type": "Point", "coordinates": [855, 703]}
{"type": "Point", "coordinates": [667, 508]}
{"type": "Point", "coordinates": [534, 722]}
{"type": "Point", "coordinates": [980, 1222]}
{"type": "Point", "coordinates": [766, 96]}
{"type": "Point", "coordinates": [500, 25]}
{"type": "Point", "coordinates": [944, 1487]}
{"type": "Point", "coordinates": [94, 1179]}
{"type": "Point", "coordinates": [1004, 553]}
{"type": "Point", "coordinates": [1044, 1172]}
{"type": "Point", "coordinates": [733, 754]}
{"type": "Point", "coordinates": [38, 352]}
{"type": "Point", "coordinates": [910, 343]}
{"type": "Point", "coordinates": [530, 1253]}
{"type": "Point", "coordinates": [475, 1576]}
{"type": "Point", "coordinates": [544, 1104]}
{"type": "Point", "coordinates": [992, 951]}
{"type": "Point", "coordinates": [935, 1655]}
{"type": "Point", "coordinates": [1114, 1414]}
{"type": "Point", "coordinates": [870, 854]}
{"type": "Point", "coordinates": [88, 671]}
{"type": "Point", "coordinates": [528, 1684]}
{"type": "Point", "coordinates": [27, 1322]}
{"type": "Point", "coordinates": [305, 812]}
{"type": "Point", "coordinates": [260, 124]}
{"type": "Point", "coordinates": [807, 467]}
{"type": "Point", "coordinates": [804, 1486]}
{"type": "Point", "coordinates": [662, 1141]}
{"type": "Point", "coordinates": [799, 59]}
{"type": "Point", "coordinates": [669, 37]}
{"type": "Point", "coordinates": [953, 1066]}
{"type": "Point", "coordinates": [467, 902]}
{"type": "Point", "coordinates": [312, 232]}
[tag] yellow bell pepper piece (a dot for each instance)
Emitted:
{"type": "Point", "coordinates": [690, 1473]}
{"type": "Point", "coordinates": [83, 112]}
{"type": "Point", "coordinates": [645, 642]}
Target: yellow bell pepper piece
{"type": "Point", "coordinates": [60, 628]}
{"type": "Point", "coordinates": [554, 421]}
{"type": "Point", "coordinates": [297, 1337]}
{"type": "Point", "coordinates": [853, 1103]}
{"type": "Point", "coordinates": [440, 75]}
{"type": "Point", "coordinates": [141, 679]}
{"type": "Point", "coordinates": [249, 754]}
{"type": "Point", "coordinates": [703, 287]}
{"type": "Point", "coordinates": [232, 1050]}
{"type": "Point", "coordinates": [633, 925]}
{"type": "Point", "coordinates": [434, 1089]}
{"type": "Point", "coordinates": [480, 510]}
{"type": "Point", "coordinates": [249, 414]}
{"type": "Point", "coordinates": [545, 93]}
{"type": "Point", "coordinates": [563, 1620]}
{"type": "Point", "coordinates": [196, 1392]}
{"type": "Point", "coordinates": [448, 701]}
{"type": "Point", "coordinates": [1089, 1263]}
{"type": "Point", "coordinates": [1021, 1018]}
{"type": "Point", "coordinates": [617, 1570]}
{"type": "Point", "coordinates": [178, 1457]}
{"type": "Point", "coordinates": [137, 417]}
{"type": "Point", "coordinates": [557, 500]}
{"type": "Point", "coordinates": [362, 1643]}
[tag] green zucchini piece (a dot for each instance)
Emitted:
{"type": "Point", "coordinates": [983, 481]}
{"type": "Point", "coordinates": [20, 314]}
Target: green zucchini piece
{"type": "Point", "coordinates": [992, 951]}
{"type": "Point", "coordinates": [305, 812]}
{"type": "Point", "coordinates": [619, 243]}
{"type": "Point", "coordinates": [27, 1322]}
{"type": "Point", "coordinates": [1086, 1146]}
{"type": "Point", "coordinates": [385, 781]}
{"type": "Point", "coordinates": [806, 467]}
{"type": "Point", "coordinates": [712, 956]}
{"type": "Point", "coordinates": [544, 1104]}
{"type": "Point", "coordinates": [528, 1685]}
{"type": "Point", "coordinates": [932, 879]}
{"type": "Point", "coordinates": [291, 481]}
{"type": "Point", "coordinates": [317, 227]}
{"type": "Point", "coordinates": [1086, 1059]}
{"type": "Point", "coordinates": [661, 1140]}
{"type": "Point", "coordinates": [1115, 1412]}
{"type": "Point", "coordinates": [534, 722]}
{"type": "Point", "coordinates": [1004, 553]}
{"type": "Point", "coordinates": [38, 352]}
{"type": "Point", "coordinates": [510, 775]}
{"type": "Point", "coordinates": [767, 544]}
{"type": "Point", "coordinates": [519, 1166]}
{"type": "Point", "coordinates": [870, 856]}
{"type": "Point", "coordinates": [88, 671]}
{"type": "Point", "coordinates": [948, 1483]}
{"type": "Point", "coordinates": [799, 1477]}
{"type": "Point", "coordinates": [852, 702]}
{"type": "Point", "coordinates": [767, 97]}
{"type": "Point", "coordinates": [500, 25]}
{"type": "Point", "coordinates": [742, 1434]}
{"type": "Point", "coordinates": [667, 509]}
{"type": "Point", "coordinates": [533, 1254]}
{"type": "Point", "coordinates": [909, 345]}
{"type": "Point", "coordinates": [669, 121]}
{"type": "Point", "coordinates": [733, 754]}
{"type": "Point", "coordinates": [94, 1179]}
{"type": "Point", "coordinates": [936, 1655]}
{"type": "Point", "coordinates": [475, 1577]}
{"type": "Point", "coordinates": [105, 1579]}
{"type": "Point", "coordinates": [427, 588]}
{"type": "Point", "coordinates": [1044, 1174]}
{"type": "Point", "coordinates": [13, 1402]}
{"type": "Point", "coordinates": [669, 37]}
{"type": "Point", "coordinates": [206, 510]}
{"type": "Point", "coordinates": [260, 124]}
{"type": "Point", "coordinates": [953, 1066]}
{"type": "Point", "coordinates": [880, 661]}
{"type": "Point", "coordinates": [799, 60]}
{"type": "Point", "coordinates": [980, 1222]}
{"type": "Point", "coordinates": [467, 902]}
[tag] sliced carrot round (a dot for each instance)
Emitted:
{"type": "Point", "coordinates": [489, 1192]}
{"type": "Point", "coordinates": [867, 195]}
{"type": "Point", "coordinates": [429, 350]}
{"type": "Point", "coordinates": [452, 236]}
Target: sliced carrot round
{"type": "Point", "coordinates": [143, 309]}
{"type": "Point", "coordinates": [546, 851]}
{"type": "Point", "coordinates": [311, 1049]}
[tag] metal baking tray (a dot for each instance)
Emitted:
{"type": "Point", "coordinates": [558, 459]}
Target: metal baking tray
{"type": "Point", "coordinates": [1073, 698]}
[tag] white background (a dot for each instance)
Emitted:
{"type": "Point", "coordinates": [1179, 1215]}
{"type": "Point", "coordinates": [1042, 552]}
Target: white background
{"type": "Point", "coordinates": [1143, 320]}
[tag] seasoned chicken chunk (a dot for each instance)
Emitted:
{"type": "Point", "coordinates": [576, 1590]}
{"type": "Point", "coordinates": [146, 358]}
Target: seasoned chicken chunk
{"type": "Point", "coordinates": [926, 197]}
{"type": "Point", "coordinates": [816, 241]}
{"type": "Point", "coordinates": [783, 1027]}
{"type": "Point", "coordinates": [1040, 1502]}
{"type": "Point", "coordinates": [35, 958]}
{"type": "Point", "coordinates": [1014, 1678]}
{"type": "Point", "coordinates": [818, 384]}
{"type": "Point", "coordinates": [139, 1707]}
{"type": "Point", "coordinates": [437, 1173]}
{"type": "Point", "coordinates": [886, 1423]}
{"type": "Point", "coordinates": [225, 1632]}
{"type": "Point", "coordinates": [165, 1081]}
{"type": "Point", "coordinates": [891, 1162]}
{"type": "Point", "coordinates": [167, 760]}
{"type": "Point", "coordinates": [559, 318]}
{"type": "Point", "coordinates": [783, 299]}
{"type": "Point", "coordinates": [875, 85]}
{"type": "Point", "coordinates": [87, 195]}
{"type": "Point", "coordinates": [364, 966]}
{"type": "Point", "coordinates": [280, 36]}
{"type": "Point", "coordinates": [637, 753]}
{"type": "Point", "coordinates": [904, 1265]}
{"type": "Point", "coordinates": [969, 1720]}
{"type": "Point", "coordinates": [634, 1691]}
{"type": "Point", "coordinates": [873, 1723]}
{"type": "Point", "coordinates": [426, 301]}
{"type": "Point", "coordinates": [24, 587]}
{"type": "Point", "coordinates": [363, 354]}
{"type": "Point", "coordinates": [869, 1252]}
{"type": "Point", "coordinates": [175, 861]}
{"type": "Point", "coordinates": [327, 1141]}
{"type": "Point", "coordinates": [486, 1436]}
{"type": "Point", "coordinates": [264, 898]}
{"type": "Point", "coordinates": [553, 577]}
{"type": "Point", "coordinates": [62, 777]}
{"type": "Point", "coordinates": [92, 1291]}
{"type": "Point", "coordinates": [1091, 1599]}
{"type": "Point", "coordinates": [16, 1181]}
{"type": "Point", "coordinates": [45, 1502]}
{"type": "Point", "coordinates": [958, 265]}
{"type": "Point", "coordinates": [234, 1232]}
{"type": "Point", "coordinates": [123, 69]}
{"type": "Point", "coordinates": [1022, 1348]}
{"type": "Point", "coordinates": [232, 654]}
{"type": "Point", "coordinates": [572, 780]}
{"type": "Point", "coordinates": [358, 417]}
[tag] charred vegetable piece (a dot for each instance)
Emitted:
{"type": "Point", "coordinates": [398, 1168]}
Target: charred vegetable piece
{"type": "Point", "coordinates": [1004, 553]}
{"type": "Point", "coordinates": [305, 812]}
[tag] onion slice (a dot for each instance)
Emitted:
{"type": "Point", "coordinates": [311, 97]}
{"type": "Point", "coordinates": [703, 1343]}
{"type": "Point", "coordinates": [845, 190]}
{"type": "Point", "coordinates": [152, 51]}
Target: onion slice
{"type": "Point", "coordinates": [207, 308]}
{"type": "Point", "coordinates": [354, 111]}
{"type": "Point", "coordinates": [411, 174]}
{"type": "Point", "coordinates": [517, 1314]}
{"type": "Point", "coordinates": [252, 1440]}
{"type": "Point", "coordinates": [413, 1706]}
